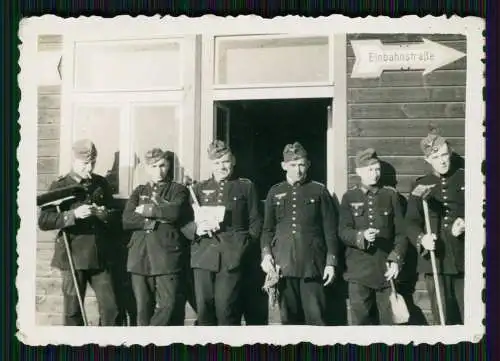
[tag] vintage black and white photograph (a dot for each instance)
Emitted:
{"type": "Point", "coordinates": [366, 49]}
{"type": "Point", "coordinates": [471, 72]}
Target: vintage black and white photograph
{"type": "Point", "coordinates": [251, 176]}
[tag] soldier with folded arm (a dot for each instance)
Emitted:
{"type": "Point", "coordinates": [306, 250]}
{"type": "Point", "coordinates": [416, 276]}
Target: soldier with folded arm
{"type": "Point", "coordinates": [158, 250]}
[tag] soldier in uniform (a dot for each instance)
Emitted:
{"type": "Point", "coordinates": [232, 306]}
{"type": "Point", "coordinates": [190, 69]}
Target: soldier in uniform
{"type": "Point", "coordinates": [218, 250]}
{"type": "Point", "coordinates": [299, 240]}
{"type": "Point", "coordinates": [85, 223]}
{"type": "Point", "coordinates": [446, 214]}
{"type": "Point", "coordinates": [158, 251]}
{"type": "Point", "coordinates": [372, 228]}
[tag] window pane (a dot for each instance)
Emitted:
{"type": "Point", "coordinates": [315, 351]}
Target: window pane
{"type": "Point", "coordinates": [101, 124]}
{"type": "Point", "coordinates": [272, 61]}
{"type": "Point", "coordinates": [155, 126]}
{"type": "Point", "coordinates": [128, 65]}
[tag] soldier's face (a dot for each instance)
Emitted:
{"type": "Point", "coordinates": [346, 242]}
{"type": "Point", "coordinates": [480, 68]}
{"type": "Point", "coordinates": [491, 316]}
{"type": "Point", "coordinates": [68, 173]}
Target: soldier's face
{"type": "Point", "coordinates": [369, 175]}
{"type": "Point", "coordinates": [440, 160]}
{"type": "Point", "coordinates": [83, 167]}
{"type": "Point", "coordinates": [223, 166]}
{"type": "Point", "coordinates": [296, 170]}
{"type": "Point", "coordinates": [157, 171]}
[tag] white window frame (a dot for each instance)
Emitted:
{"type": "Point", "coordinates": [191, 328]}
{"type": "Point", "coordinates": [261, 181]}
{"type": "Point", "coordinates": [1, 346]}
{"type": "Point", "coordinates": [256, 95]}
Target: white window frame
{"type": "Point", "coordinates": [261, 86]}
{"type": "Point", "coordinates": [183, 98]}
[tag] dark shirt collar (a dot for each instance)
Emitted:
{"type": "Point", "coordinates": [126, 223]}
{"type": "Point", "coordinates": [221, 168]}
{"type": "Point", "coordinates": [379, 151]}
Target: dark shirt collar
{"type": "Point", "coordinates": [372, 189]}
{"type": "Point", "coordinates": [296, 184]}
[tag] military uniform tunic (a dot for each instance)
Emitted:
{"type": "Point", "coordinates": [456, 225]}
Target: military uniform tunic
{"type": "Point", "coordinates": [446, 204]}
{"type": "Point", "coordinates": [300, 228]}
{"type": "Point", "coordinates": [242, 223]}
{"type": "Point", "coordinates": [372, 207]}
{"type": "Point", "coordinates": [90, 246]}
{"type": "Point", "coordinates": [157, 245]}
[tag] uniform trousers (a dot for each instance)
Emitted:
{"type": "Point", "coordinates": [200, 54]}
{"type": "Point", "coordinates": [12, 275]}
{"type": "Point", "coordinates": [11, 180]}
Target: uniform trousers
{"type": "Point", "coordinates": [369, 306]}
{"type": "Point", "coordinates": [161, 299]}
{"type": "Point", "coordinates": [302, 301]}
{"type": "Point", "coordinates": [100, 281]}
{"type": "Point", "coordinates": [217, 297]}
{"type": "Point", "coordinates": [452, 297]}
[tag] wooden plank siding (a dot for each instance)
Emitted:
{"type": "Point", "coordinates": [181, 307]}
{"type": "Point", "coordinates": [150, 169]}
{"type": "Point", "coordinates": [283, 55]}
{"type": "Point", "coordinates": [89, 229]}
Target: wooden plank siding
{"type": "Point", "coordinates": [393, 112]}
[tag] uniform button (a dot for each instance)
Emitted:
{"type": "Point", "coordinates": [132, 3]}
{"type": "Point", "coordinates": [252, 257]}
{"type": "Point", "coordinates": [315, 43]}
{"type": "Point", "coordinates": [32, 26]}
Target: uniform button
{"type": "Point", "coordinates": [293, 225]}
{"type": "Point", "coordinates": [294, 205]}
{"type": "Point", "coordinates": [293, 218]}
{"type": "Point", "coordinates": [445, 197]}
{"type": "Point", "coordinates": [445, 218]}
{"type": "Point", "coordinates": [445, 225]}
{"type": "Point", "coordinates": [370, 216]}
{"type": "Point", "coordinates": [293, 232]}
{"type": "Point", "coordinates": [294, 199]}
{"type": "Point", "coordinates": [206, 199]}
{"type": "Point", "coordinates": [370, 203]}
{"type": "Point", "coordinates": [294, 193]}
{"type": "Point", "coordinates": [371, 223]}
{"type": "Point", "coordinates": [445, 204]}
{"type": "Point", "coordinates": [220, 200]}
{"type": "Point", "coordinates": [293, 212]}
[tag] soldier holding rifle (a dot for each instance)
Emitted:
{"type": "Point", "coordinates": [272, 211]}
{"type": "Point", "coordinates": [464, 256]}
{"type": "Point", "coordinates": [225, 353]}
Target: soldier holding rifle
{"type": "Point", "coordinates": [83, 223]}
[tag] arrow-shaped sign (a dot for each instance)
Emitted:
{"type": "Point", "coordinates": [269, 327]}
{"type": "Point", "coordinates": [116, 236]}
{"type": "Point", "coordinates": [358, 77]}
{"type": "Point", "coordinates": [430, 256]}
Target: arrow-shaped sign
{"type": "Point", "coordinates": [373, 57]}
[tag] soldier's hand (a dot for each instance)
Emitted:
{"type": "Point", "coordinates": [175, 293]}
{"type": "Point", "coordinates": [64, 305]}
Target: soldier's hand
{"type": "Point", "coordinates": [370, 234]}
{"type": "Point", "coordinates": [429, 241]}
{"type": "Point", "coordinates": [84, 211]}
{"type": "Point", "coordinates": [328, 275]}
{"type": "Point", "coordinates": [140, 209]}
{"type": "Point", "coordinates": [267, 263]}
{"type": "Point", "coordinates": [458, 227]}
{"type": "Point", "coordinates": [392, 271]}
{"type": "Point", "coordinates": [101, 212]}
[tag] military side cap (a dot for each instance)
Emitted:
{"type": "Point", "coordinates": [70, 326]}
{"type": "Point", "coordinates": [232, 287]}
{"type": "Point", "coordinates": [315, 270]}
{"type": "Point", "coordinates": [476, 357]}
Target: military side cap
{"type": "Point", "coordinates": [294, 151]}
{"type": "Point", "coordinates": [366, 157]}
{"type": "Point", "coordinates": [84, 149]}
{"type": "Point", "coordinates": [432, 142]}
{"type": "Point", "coordinates": [154, 155]}
{"type": "Point", "coordinates": [217, 149]}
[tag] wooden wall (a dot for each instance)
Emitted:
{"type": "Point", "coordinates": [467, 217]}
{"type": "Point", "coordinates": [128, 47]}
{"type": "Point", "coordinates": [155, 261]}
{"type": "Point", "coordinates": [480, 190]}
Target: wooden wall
{"type": "Point", "coordinates": [392, 113]}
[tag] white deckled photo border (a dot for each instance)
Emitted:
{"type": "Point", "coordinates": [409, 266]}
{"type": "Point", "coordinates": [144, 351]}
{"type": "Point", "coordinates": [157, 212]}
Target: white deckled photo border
{"type": "Point", "coordinates": [472, 330]}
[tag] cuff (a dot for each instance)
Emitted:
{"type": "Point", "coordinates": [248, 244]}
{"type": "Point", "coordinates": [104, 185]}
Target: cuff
{"type": "Point", "coordinates": [69, 219]}
{"type": "Point", "coordinates": [360, 240]}
{"type": "Point", "coordinates": [331, 260]}
{"type": "Point", "coordinates": [396, 258]}
{"type": "Point", "coordinates": [266, 251]}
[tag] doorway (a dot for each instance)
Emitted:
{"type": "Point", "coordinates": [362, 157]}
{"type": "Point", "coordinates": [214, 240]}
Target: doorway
{"type": "Point", "coordinates": [258, 130]}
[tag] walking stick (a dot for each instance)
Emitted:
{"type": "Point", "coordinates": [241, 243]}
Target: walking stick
{"type": "Point", "coordinates": [73, 273]}
{"type": "Point", "coordinates": [433, 263]}
{"type": "Point", "coordinates": [57, 197]}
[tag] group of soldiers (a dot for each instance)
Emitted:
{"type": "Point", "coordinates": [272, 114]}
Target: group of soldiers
{"type": "Point", "coordinates": [300, 236]}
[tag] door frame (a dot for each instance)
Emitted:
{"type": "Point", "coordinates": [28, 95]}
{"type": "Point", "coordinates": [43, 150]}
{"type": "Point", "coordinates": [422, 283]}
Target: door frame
{"type": "Point", "coordinates": [337, 172]}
